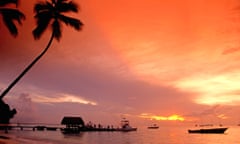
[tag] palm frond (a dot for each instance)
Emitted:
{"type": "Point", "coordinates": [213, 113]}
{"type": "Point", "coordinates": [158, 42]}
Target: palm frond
{"type": "Point", "coordinates": [11, 15]}
{"type": "Point", "coordinates": [43, 20]}
{"type": "Point", "coordinates": [10, 25]}
{"type": "Point", "coordinates": [75, 23]}
{"type": "Point", "coordinates": [6, 2]}
{"type": "Point", "coordinates": [56, 27]}
{"type": "Point", "coordinates": [47, 12]}
{"type": "Point", "coordinates": [42, 6]}
{"type": "Point", "coordinates": [67, 7]}
{"type": "Point", "coordinates": [53, 1]}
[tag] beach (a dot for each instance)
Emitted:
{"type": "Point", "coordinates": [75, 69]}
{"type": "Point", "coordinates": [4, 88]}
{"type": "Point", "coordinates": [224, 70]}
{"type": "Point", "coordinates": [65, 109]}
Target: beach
{"type": "Point", "coordinates": [7, 139]}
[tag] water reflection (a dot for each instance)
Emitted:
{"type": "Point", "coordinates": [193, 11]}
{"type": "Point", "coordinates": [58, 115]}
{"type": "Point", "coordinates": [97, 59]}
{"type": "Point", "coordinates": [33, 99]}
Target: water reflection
{"type": "Point", "coordinates": [163, 135]}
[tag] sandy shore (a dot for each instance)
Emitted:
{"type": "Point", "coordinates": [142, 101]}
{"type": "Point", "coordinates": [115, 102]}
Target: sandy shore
{"type": "Point", "coordinates": [12, 139]}
{"type": "Point", "coordinates": [7, 140]}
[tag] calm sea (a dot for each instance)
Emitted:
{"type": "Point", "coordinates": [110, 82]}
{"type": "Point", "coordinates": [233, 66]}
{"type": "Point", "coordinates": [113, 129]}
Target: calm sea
{"type": "Point", "coordinates": [163, 135]}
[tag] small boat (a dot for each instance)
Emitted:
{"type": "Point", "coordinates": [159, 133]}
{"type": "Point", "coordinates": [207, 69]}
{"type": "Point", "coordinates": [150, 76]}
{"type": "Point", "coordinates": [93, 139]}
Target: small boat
{"type": "Point", "coordinates": [125, 126]}
{"type": "Point", "coordinates": [220, 130]}
{"type": "Point", "coordinates": [154, 126]}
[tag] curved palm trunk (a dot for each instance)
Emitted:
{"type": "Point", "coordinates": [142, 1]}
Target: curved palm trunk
{"type": "Point", "coordinates": [27, 68]}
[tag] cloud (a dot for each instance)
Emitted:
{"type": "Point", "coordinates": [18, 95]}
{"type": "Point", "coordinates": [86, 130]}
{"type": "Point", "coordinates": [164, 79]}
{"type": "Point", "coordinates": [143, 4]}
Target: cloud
{"type": "Point", "coordinates": [63, 98]}
{"type": "Point", "coordinates": [173, 117]}
{"type": "Point", "coordinates": [215, 114]}
{"type": "Point", "coordinates": [26, 108]}
{"type": "Point", "coordinates": [213, 89]}
{"type": "Point", "coordinates": [230, 51]}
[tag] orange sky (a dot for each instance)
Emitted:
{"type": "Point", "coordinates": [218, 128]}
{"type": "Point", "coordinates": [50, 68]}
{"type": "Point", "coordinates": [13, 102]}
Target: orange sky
{"type": "Point", "coordinates": [141, 59]}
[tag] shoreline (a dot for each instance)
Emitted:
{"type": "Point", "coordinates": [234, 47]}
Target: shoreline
{"type": "Point", "coordinates": [7, 140]}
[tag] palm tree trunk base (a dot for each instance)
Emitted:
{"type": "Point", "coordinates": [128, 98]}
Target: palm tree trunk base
{"type": "Point", "coordinates": [5, 113]}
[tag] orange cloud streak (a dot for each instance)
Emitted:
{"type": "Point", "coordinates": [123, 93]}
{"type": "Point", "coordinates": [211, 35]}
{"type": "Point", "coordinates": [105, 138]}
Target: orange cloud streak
{"type": "Point", "coordinates": [174, 117]}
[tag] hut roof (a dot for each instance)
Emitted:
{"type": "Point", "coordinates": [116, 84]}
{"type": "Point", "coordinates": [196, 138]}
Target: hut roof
{"type": "Point", "coordinates": [72, 120]}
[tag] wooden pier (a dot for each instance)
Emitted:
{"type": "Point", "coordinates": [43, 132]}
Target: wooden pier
{"type": "Point", "coordinates": [29, 126]}
{"type": "Point", "coordinates": [57, 127]}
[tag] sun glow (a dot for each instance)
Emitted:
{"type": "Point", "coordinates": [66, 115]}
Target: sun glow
{"type": "Point", "coordinates": [212, 90]}
{"type": "Point", "coordinates": [174, 117]}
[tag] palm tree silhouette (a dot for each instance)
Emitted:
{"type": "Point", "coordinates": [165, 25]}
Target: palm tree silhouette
{"type": "Point", "coordinates": [49, 13]}
{"type": "Point", "coordinates": [9, 15]}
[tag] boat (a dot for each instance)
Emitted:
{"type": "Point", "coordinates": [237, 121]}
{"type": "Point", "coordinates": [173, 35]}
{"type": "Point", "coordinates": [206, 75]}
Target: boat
{"type": "Point", "coordinates": [220, 130]}
{"type": "Point", "coordinates": [125, 126]}
{"type": "Point", "coordinates": [154, 126]}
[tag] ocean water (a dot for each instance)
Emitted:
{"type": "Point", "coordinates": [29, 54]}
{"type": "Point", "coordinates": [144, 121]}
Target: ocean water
{"type": "Point", "coordinates": [163, 135]}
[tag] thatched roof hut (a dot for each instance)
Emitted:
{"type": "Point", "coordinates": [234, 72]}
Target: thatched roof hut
{"type": "Point", "coordinates": [73, 121]}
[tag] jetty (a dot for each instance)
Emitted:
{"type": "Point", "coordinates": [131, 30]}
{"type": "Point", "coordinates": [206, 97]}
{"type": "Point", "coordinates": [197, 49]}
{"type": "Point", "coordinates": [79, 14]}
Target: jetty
{"type": "Point", "coordinates": [29, 126]}
{"type": "Point", "coordinates": [68, 125]}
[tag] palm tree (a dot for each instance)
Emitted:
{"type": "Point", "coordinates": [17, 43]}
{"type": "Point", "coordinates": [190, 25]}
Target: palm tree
{"type": "Point", "coordinates": [9, 15]}
{"type": "Point", "coordinates": [49, 13]}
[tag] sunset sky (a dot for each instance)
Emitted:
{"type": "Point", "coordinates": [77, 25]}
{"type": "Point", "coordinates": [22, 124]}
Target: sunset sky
{"type": "Point", "coordinates": [147, 60]}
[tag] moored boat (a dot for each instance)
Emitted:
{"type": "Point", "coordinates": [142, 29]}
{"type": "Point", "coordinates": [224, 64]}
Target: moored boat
{"type": "Point", "coordinates": [154, 126]}
{"type": "Point", "coordinates": [125, 126]}
{"type": "Point", "coordinates": [220, 130]}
